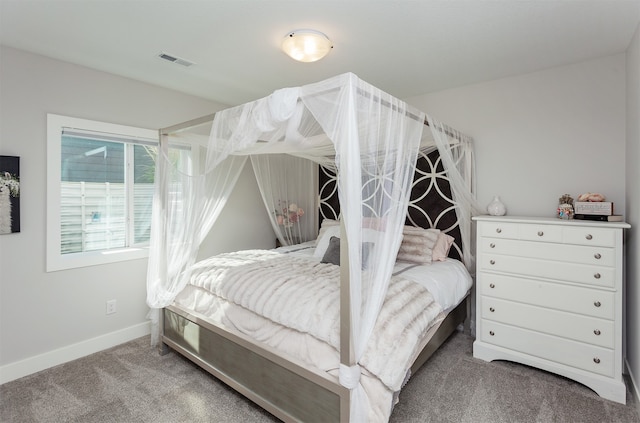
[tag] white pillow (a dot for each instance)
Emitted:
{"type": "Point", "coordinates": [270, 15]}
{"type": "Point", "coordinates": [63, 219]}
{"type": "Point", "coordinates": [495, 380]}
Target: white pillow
{"type": "Point", "coordinates": [324, 237]}
{"type": "Point", "coordinates": [329, 222]}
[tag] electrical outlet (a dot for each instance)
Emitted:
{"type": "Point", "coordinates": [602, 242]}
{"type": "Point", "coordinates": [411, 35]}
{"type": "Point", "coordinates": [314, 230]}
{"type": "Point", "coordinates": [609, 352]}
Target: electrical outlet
{"type": "Point", "coordinates": [111, 306]}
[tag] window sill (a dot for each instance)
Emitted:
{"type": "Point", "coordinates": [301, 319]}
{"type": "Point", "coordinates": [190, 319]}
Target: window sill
{"type": "Point", "coordinates": [94, 258]}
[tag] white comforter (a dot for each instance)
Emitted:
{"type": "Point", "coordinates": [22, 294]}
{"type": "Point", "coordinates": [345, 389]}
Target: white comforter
{"type": "Point", "coordinates": [292, 304]}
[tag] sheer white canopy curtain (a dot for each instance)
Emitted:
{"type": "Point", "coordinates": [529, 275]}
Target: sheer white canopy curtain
{"type": "Point", "coordinates": [368, 137]}
{"type": "Point", "coordinates": [186, 204]}
{"type": "Point", "coordinates": [288, 186]}
{"type": "Point", "coordinates": [456, 153]}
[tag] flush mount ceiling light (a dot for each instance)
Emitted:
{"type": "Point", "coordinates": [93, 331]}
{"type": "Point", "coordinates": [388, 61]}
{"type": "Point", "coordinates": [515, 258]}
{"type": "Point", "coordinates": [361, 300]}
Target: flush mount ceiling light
{"type": "Point", "coordinates": [306, 45]}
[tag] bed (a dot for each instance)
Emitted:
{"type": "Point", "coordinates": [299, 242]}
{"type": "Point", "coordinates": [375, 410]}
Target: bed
{"type": "Point", "coordinates": [361, 307]}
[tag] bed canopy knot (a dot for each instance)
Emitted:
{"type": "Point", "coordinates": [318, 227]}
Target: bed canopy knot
{"type": "Point", "coordinates": [349, 376]}
{"type": "Point", "coordinates": [270, 112]}
{"type": "Point", "coordinates": [282, 103]}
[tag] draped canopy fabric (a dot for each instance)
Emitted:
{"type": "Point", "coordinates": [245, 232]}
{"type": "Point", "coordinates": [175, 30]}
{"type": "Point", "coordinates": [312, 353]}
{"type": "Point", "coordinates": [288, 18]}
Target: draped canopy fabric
{"type": "Point", "coordinates": [368, 137]}
{"type": "Point", "coordinates": [286, 185]}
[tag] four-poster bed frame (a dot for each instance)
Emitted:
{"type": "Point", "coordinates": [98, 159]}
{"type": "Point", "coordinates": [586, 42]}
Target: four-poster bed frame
{"type": "Point", "coordinates": [287, 387]}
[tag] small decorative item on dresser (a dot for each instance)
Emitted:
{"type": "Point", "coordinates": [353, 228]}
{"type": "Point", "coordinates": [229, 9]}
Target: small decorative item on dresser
{"type": "Point", "coordinates": [496, 207]}
{"type": "Point", "coordinates": [594, 204]}
{"type": "Point", "coordinates": [565, 207]}
{"type": "Point", "coordinates": [592, 197]}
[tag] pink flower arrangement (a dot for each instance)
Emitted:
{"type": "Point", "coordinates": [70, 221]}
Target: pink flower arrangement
{"type": "Point", "coordinates": [289, 214]}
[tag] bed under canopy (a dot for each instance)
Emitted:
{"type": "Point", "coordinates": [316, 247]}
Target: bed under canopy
{"type": "Point", "coordinates": [371, 141]}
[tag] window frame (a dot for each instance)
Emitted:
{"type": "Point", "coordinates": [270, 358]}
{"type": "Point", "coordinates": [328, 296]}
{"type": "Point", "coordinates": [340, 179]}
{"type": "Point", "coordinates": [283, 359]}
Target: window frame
{"type": "Point", "coordinates": [55, 260]}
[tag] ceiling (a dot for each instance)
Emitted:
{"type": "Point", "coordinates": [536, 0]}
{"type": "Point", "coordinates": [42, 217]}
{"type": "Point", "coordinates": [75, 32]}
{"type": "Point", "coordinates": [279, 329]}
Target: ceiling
{"type": "Point", "coordinates": [404, 47]}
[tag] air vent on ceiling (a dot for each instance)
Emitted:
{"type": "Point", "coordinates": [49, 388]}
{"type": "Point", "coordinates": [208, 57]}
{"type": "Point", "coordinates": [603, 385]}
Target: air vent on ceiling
{"type": "Point", "coordinates": [174, 59]}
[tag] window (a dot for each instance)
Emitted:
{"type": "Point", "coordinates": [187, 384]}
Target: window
{"type": "Point", "coordinates": [99, 192]}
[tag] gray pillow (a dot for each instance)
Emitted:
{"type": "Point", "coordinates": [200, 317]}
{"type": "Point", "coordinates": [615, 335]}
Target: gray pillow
{"type": "Point", "coordinates": [332, 255]}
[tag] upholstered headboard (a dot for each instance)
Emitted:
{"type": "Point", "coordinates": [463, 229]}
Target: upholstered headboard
{"type": "Point", "coordinates": [431, 204]}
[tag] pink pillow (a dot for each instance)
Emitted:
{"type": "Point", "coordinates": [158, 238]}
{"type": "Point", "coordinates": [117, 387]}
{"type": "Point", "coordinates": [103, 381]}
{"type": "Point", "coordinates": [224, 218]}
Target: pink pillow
{"type": "Point", "coordinates": [375, 223]}
{"type": "Point", "coordinates": [417, 245]}
{"type": "Point", "coordinates": [441, 249]}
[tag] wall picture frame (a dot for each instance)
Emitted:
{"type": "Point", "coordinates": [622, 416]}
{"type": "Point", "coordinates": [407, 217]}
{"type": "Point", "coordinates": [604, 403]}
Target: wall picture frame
{"type": "Point", "coordinates": [9, 194]}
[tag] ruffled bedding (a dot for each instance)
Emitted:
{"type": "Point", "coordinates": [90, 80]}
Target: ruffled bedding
{"type": "Point", "coordinates": [290, 301]}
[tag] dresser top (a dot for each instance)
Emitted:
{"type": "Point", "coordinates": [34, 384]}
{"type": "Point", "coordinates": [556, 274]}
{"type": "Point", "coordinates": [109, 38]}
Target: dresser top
{"type": "Point", "coordinates": [552, 221]}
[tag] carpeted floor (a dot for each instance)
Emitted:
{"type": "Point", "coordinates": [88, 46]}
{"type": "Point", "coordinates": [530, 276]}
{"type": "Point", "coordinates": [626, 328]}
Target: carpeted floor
{"type": "Point", "coordinates": [133, 383]}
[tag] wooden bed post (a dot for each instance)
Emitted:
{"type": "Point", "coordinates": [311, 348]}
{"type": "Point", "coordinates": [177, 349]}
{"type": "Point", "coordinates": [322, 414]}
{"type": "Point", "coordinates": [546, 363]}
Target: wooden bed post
{"type": "Point", "coordinates": [163, 137]}
{"type": "Point", "coordinates": [163, 349]}
{"type": "Point", "coordinates": [347, 354]}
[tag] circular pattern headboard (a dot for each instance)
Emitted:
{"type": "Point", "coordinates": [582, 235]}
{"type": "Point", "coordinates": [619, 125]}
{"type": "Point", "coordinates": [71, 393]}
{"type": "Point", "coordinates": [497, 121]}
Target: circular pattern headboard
{"type": "Point", "coordinates": [431, 204]}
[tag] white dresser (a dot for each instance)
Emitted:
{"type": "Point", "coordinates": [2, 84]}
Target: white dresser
{"type": "Point", "coordinates": [549, 294]}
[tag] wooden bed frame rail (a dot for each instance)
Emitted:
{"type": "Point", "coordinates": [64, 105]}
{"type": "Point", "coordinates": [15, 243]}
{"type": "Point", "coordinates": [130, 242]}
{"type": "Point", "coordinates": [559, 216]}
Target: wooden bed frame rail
{"type": "Point", "coordinates": [456, 317]}
{"type": "Point", "coordinates": [284, 387]}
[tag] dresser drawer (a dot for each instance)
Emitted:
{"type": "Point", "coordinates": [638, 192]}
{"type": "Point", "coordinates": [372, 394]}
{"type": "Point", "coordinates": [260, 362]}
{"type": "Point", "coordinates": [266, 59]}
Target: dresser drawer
{"type": "Point", "coordinates": [571, 272]}
{"type": "Point", "coordinates": [499, 230]}
{"type": "Point", "coordinates": [524, 231]}
{"type": "Point", "coordinates": [588, 301]}
{"type": "Point", "coordinates": [597, 256]}
{"type": "Point", "coordinates": [553, 322]}
{"type": "Point", "coordinates": [540, 232]}
{"type": "Point", "coordinates": [589, 236]}
{"type": "Point", "coordinates": [560, 350]}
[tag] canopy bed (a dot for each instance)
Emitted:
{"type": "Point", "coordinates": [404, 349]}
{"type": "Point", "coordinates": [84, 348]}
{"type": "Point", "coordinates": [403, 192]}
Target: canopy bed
{"type": "Point", "coordinates": [304, 338]}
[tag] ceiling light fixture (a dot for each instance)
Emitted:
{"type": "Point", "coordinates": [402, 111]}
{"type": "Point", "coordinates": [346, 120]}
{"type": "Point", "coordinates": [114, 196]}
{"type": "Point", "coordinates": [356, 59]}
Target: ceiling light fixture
{"type": "Point", "coordinates": [306, 45]}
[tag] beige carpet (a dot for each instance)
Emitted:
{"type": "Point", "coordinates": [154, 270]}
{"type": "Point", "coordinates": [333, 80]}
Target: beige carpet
{"type": "Point", "coordinates": [132, 383]}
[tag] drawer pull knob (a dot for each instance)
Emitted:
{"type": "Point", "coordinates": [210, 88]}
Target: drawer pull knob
{"type": "Point", "coordinates": [491, 285]}
{"type": "Point", "coordinates": [597, 332]}
{"type": "Point", "coordinates": [596, 360]}
{"type": "Point", "coordinates": [492, 245]}
{"type": "Point", "coordinates": [597, 304]}
{"type": "Point", "coordinates": [491, 309]}
{"type": "Point", "coordinates": [492, 261]}
{"type": "Point", "coordinates": [540, 233]}
{"type": "Point", "coordinates": [589, 237]}
{"type": "Point", "coordinates": [597, 256]}
{"type": "Point", "coordinates": [498, 230]}
{"type": "Point", "coordinates": [491, 333]}
{"type": "Point", "coordinates": [597, 275]}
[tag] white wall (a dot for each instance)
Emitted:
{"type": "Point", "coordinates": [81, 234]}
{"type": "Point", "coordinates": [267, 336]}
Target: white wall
{"type": "Point", "coordinates": [49, 318]}
{"type": "Point", "coordinates": [243, 223]}
{"type": "Point", "coordinates": [544, 134]}
{"type": "Point", "coordinates": [562, 130]}
{"type": "Point", "coordinates": [633, 210]}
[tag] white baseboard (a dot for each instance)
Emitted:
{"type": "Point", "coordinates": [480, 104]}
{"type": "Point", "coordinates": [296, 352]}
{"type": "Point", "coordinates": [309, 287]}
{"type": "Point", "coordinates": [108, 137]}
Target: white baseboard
{"type": "Point", "coordinates": [62, 355]}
